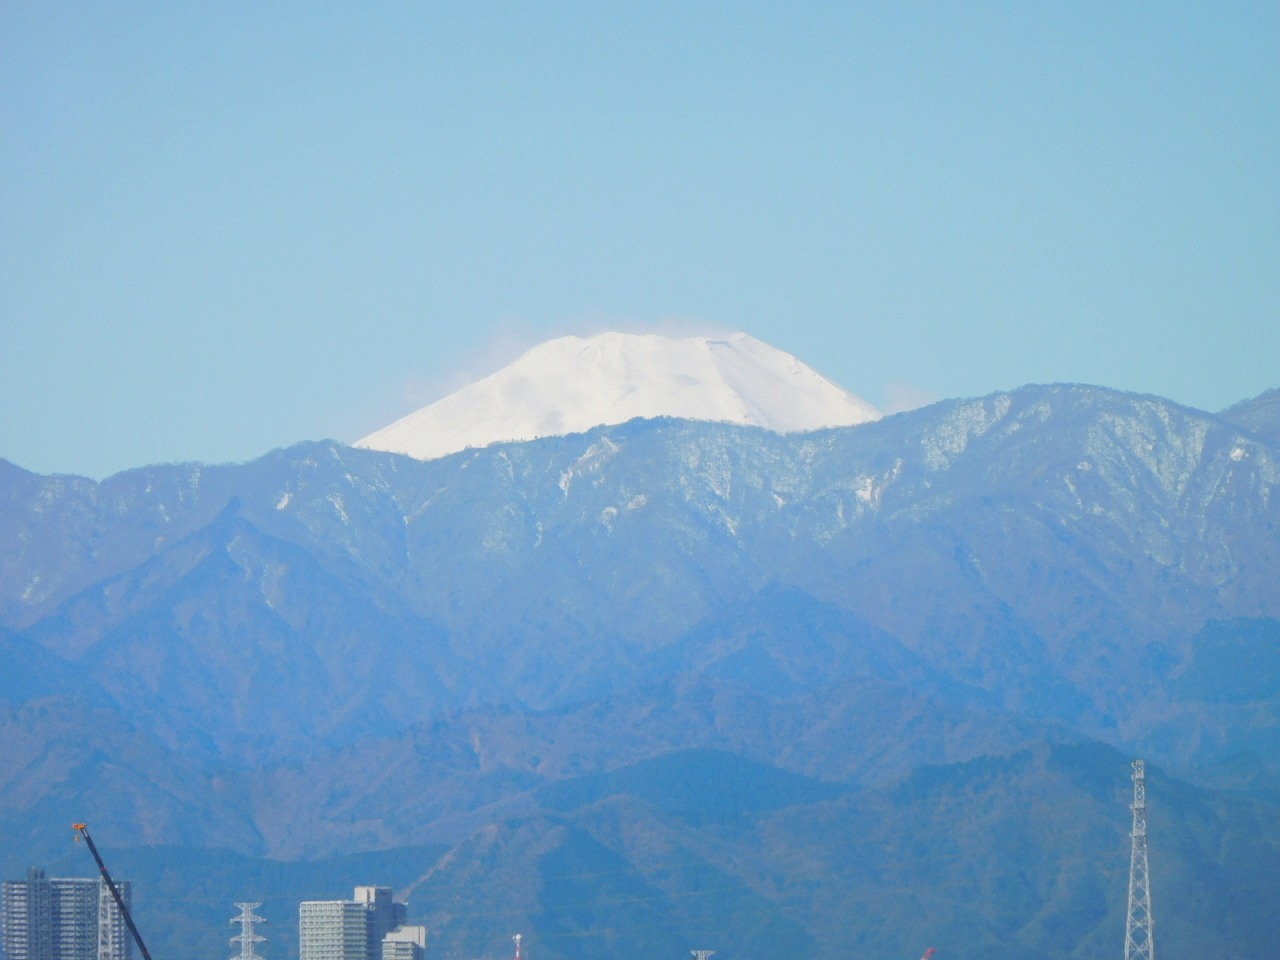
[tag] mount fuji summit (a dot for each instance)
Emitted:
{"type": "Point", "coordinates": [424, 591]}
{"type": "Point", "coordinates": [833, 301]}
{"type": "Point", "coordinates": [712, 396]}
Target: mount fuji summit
{"type": "Point", "coordinates": [571, 384]}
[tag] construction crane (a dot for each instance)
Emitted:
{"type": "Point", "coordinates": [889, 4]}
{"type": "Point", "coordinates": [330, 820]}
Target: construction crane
{"type": "Point", "coordinates": [83, 831]}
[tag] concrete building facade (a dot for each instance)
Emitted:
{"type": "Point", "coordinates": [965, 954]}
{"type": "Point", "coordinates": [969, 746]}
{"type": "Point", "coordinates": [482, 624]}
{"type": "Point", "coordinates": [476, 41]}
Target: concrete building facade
{"type": "Point", "coordinates": [350, 929]}
{"type": "Point", "coordinates": [384, 916]}
{"type": "Point", "coordinates": [63, 918]}
{"type": "Point", "coordinates": [405, 943]}
{"type": "Point", "coordinates": [26, 915]}
{"type": "Point", "coordinates": [333, 930]}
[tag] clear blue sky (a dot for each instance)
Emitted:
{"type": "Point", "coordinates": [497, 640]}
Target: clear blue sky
{"type": "Point", "coordinates": [226, 227]}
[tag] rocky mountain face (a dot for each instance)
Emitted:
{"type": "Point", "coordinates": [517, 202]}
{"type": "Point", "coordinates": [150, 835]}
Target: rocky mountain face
{"type": "Point", "coordinates": [917, 651]}
{"type": "Point", "coordinates": [1259, 415]}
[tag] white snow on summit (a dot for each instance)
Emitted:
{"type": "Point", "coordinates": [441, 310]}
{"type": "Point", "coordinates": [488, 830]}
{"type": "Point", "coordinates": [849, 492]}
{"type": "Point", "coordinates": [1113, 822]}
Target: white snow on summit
{"type": "Point", "coordinates": [572, 384]}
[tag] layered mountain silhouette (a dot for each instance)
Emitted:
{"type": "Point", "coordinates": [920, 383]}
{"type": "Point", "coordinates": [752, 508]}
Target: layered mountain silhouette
{"type": "Point", "coordinates": [669, 684]}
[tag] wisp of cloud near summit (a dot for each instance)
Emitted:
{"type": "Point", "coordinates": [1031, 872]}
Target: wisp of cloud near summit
{"type": "Point", "coordinates": [228, 229]}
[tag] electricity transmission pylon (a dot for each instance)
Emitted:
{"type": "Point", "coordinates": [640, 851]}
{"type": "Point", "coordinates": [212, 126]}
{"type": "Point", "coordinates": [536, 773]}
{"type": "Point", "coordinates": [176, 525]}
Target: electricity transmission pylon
{"type": "Point", "coordinates": [247, 938]}
{"type": "Point", "coordinates": [1139, 939]}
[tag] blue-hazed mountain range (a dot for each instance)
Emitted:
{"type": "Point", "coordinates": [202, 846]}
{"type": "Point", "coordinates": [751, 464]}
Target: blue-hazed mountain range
{"type": "Point", "coordinates": [795, 691]}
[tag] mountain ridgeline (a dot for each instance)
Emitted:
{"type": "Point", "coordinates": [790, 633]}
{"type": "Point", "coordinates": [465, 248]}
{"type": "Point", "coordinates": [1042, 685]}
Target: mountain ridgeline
{"type": "Point", "coordinates": [670, 684]}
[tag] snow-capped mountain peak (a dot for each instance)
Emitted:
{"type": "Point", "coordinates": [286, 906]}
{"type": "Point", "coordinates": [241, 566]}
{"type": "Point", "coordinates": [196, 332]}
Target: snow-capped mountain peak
{"type": "Point", "coordinates": [572, 384]}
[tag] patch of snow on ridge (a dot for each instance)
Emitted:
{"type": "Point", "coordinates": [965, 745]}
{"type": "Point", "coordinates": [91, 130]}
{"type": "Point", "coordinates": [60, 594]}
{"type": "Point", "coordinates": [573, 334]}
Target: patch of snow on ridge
{"type": "Point", "coordinates": [572, 384]}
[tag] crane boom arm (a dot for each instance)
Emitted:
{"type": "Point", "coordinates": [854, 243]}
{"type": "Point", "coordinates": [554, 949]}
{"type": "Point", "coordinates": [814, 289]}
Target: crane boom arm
{"type": "Point", "coordinates": [83, 831]}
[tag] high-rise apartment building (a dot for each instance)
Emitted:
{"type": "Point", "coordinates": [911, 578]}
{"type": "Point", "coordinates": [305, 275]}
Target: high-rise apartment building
{"type": "Point", "coordinates": [349, 929]}
{"type": "Point", "coordinates": [405, 943]}
{"type": "Point", "coordinates": [333, 930]}
{"type": "Point", "coordinates": [26, 911]}
{"type": "Point", "coordinates": [63, 918]}
{"type": "Point", "coordinates": [384, 915]}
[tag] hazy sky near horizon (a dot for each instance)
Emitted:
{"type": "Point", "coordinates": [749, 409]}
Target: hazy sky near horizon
{"type": "Point", "coordinates": [228, 227]}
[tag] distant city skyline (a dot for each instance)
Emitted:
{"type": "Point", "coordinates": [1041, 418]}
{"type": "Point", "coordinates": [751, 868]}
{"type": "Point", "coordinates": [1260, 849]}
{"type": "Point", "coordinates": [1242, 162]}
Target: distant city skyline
{"type": "Point", "coordinates": [371, 926]}
{"type": "Point", "coordinates": [227, 229]}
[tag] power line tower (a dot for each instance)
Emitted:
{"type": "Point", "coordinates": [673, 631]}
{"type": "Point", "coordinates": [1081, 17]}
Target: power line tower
{"type": "Point", "coordinates": [1139, 942]}
{"type": "Point", "coordinates": [248, 938]}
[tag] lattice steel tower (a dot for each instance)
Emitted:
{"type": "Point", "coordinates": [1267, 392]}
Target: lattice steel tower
{"type": "Point", "coordinates": [248, 939]}
{"type": "Point", "coordinates": [1139, 941]}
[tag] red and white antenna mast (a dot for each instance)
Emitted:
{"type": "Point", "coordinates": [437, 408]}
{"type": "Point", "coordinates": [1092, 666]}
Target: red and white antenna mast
{"type": "Point", "coordinates": [517, 938]}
